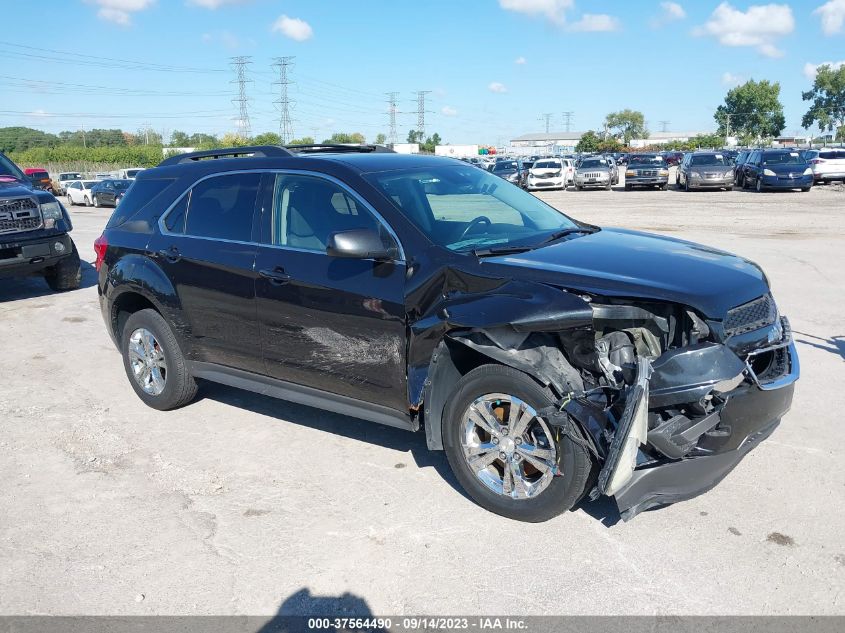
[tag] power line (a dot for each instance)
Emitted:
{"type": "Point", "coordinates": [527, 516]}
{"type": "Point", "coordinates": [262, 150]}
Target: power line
{"type": "Point", "coordinates": [548, 117]}
{"type": "Point", "coordinates": [567, 120]}
{"type": "Point", "coordinates": [664, 126]}
{"type": "Point", "coordinates": [240, 64]}
{"type": "Point", "coordinates": [421, 111]}
{"type": "Point", "coordinates": [392, 99]}
{"type": "Point", "coordinates": [283, 64]}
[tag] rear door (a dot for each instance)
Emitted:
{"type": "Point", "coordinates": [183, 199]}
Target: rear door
{"type": "Point", "coordinates": [331, 323]}
{"type": "Point", "coordinates": [206, 247]}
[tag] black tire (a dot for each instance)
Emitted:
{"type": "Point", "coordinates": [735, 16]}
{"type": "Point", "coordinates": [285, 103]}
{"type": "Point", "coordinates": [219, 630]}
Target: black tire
{"type": "Point", "coordinates": [561, 494]}
{"type": "Point", "coordinates": [628, 187]}
{"type": "Point", "coordinates": [179, 385]}
{"type": "Point", "coordinates": [87, 201]}
{"type": "Point", "coordinates": [759, 185]}
{"type": "Point", "coordinates": [577, 187]}
{"type": "Point", "coordinates": [686, 185]}
{"type": "Point", "coordinates": [743, 182]}
{"type": "Point", "coordinates": [65, 275]}
{"type": "Point", "coordinates": [96, 203]}
{"type": "Point", "coordinates": [729, 188]}
{"type": "Point", "coordinates": [69, 201]}
{"type": "Point", "coordinates": [805, 189]}
{"type": "Point", "coordinates": [607, 186]}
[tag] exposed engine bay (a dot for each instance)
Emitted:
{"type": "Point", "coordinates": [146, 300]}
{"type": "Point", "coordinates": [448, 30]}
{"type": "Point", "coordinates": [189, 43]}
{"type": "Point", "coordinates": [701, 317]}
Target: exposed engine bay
{"type": "Point", "coordinates": [666, 401]}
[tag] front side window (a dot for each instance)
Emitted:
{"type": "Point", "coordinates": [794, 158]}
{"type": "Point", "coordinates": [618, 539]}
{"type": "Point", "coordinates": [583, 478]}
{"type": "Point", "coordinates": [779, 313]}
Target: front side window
{"type": "Point", "coordinates": [308, 209]}
{"type": "Point", "coordinates": [463, 209]}
{"type": "Point", "coordinates": [222, 207]}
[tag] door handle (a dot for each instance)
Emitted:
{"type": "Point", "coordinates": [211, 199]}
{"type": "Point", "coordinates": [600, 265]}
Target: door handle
{"type": "Point", "coordinates": [277, 276]}
{"type": "Point", "coordinates": [171, 254]}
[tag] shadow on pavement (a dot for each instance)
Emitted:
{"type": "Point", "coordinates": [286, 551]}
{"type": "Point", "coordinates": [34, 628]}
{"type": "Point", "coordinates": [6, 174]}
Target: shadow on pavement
{"type": "Point", "coordinates": [343, 425]}
{"type": "Point", "coordinates": [834, 345]}
{"type": "Point", "coordinates": [298, 608]}
{"type": "Point", "coordinates": [16, 288]}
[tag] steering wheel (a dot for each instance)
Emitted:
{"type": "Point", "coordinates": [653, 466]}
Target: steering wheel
{"type": "Point", "coordinates": [479, 220]}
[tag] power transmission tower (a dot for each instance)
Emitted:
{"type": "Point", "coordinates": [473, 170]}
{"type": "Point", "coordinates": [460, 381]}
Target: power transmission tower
{"type": "Point", "coordinates": [664, 126]}
{"type": "Point", "coordinates": [391, 101]}
{"type": "Point", "coordinates": [548, 117]}
{"type": "Point", "coordinates": [283, 64]}
{"type": "Point", "coordinates": [421, 112]}
{"type": "Point", "coordinates": [240, 64]}
{"type": "Point", "coordinates": [567, 120]}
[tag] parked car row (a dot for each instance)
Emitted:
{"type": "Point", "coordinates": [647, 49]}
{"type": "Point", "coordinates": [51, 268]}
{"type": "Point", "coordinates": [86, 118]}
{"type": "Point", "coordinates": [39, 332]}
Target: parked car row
{"type": "Point", "coordinates": [97, 193]}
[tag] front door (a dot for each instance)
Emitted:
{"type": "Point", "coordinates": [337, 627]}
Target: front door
{"type": "Point", "coordinates": [207, 250]}
{"type": "Point", "coordinates": [331, 323]}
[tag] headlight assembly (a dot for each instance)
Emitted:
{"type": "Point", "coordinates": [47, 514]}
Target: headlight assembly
{"type": "Point", "coordinates": [769, 172]}
{"type": "Point", "coordinates": [50, 211]}
{"type": "Point", "coordinates": [808, 172]}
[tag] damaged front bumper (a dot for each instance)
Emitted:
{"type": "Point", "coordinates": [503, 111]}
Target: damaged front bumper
{"type": "Point", "coordinates": [655, 460]}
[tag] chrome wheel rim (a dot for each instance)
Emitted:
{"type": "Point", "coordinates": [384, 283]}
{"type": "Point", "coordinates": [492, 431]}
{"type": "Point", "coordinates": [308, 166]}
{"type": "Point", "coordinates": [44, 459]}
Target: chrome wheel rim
{"type": "Point", "coordinates": [146, 358]}
{"type": "Point", "coordinates": [507, 447]}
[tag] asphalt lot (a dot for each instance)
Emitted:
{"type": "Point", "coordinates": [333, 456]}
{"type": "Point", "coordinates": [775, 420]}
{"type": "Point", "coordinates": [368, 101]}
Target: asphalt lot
{"type": "Point", "coordinates": [240, 504]}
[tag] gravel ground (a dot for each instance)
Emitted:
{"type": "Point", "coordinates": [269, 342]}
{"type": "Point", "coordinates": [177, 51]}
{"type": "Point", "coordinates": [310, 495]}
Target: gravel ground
{"type": "Point", "coordinates": [240, 504]}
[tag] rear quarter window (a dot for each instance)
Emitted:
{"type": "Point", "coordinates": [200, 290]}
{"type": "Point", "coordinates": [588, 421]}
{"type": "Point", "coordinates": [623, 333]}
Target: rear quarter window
{"type": "Point", "coordinates": [138, 196]}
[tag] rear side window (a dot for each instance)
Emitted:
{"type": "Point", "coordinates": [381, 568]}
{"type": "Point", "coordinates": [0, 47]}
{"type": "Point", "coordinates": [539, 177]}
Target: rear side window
{"type": "Point", "coordinates": [175, 220]}
{"type": "Point", "coordinates": [222, 207]}
{"type": "Point", "coordinates": [137, 196]}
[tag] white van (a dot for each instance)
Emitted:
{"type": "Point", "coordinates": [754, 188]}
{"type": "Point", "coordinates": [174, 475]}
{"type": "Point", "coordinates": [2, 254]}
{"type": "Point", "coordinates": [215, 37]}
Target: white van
{"type": "Point", "coordinates": [129, 173]}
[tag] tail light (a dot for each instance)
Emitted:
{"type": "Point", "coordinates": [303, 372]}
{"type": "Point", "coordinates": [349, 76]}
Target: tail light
{"type": "Point", "coordinates": [100, 246]}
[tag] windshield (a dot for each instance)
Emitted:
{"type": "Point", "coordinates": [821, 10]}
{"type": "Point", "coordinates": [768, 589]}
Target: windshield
{"type": "Point", "coordinates": [782, 158]}
{"type": "Point", "coordinates": [646, 160]}
{"type": "Point", "coordinates": [505, 165]}
{"type": "Point", "coordinates": [8, 168]}
{"type": "Point", "coordinates": [70, 176]}
{"type": "Point", "coordinates": [465, 209]}
{"type": "Point", "coordinates": [710, 159]}
{"type": "Point", "coordinates": [547, 164]}
{"type": "Point", "coordinates": [593, 163]}
{"type": "Point", "coordinates": [87, 184]}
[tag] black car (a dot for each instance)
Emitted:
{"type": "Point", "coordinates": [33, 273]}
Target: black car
{"type": "Point", "coordinates": [34, 232]}
{"type": "Point", "coordinates": [739, 165]}
{"type": "Point", "coordinates": [777, 169]}
{"type": "Point", "coordinates": [109, 192]}
{"type": "Point", "coordinates": [551, 359]}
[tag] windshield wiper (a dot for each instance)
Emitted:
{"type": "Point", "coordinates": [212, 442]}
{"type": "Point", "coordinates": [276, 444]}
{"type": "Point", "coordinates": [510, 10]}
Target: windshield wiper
{"type": "Point", "coordinates": [501, 250]}
{"type": "Point", "coordinates": [563, 233]}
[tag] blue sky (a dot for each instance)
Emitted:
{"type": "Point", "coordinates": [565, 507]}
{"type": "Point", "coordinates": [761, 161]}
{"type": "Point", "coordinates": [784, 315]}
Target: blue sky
{"type": "Point", "coordinates": [493, 66]}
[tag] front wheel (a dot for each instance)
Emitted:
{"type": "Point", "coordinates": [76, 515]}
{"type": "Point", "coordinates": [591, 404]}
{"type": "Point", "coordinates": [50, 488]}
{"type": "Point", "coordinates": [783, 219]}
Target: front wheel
{"type": "Point", "coordinates": [96, 202]}
{"type": "Point", "coordinates": [87, 201]}
{"type": "Point", "coordinates": [759, 185]}
{"type": "Point", "coordinates": [66, 274]}
{"type": "Point", "coordinates": [805, 189]}
{"type": "Point", "coordinates": [69, 201]}
{"type": "Point", "coordinates": [154, 363]}
{"type": "Point", "coordinates": [509, 460]}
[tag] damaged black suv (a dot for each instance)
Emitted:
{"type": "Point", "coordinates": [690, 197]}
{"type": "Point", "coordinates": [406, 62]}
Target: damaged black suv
{"type": "Point", "coordinates": [551, 359]}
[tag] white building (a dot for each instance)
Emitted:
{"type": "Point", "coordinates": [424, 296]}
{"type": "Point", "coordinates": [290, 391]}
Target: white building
{"type": "Point", "coordinates": [558, 142]}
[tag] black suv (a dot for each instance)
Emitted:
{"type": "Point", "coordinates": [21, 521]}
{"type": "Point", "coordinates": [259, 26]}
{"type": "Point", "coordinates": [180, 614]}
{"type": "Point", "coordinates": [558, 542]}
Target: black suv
{"type": "Point", "coordinates": [549, 358]}
{"type": "Point", "coordinates": [34, 229]}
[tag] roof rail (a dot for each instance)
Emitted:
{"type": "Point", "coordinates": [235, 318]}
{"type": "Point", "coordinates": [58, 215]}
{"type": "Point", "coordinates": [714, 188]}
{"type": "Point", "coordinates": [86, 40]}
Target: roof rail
{"type": "Point", "coordinates": [261, 151]}
{"type": "Point", "coordinates": [316, 148]}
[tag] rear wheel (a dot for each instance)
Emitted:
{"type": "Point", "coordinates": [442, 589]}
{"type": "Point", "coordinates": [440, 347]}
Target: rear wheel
{"type": "Point", "coordinates": [154, 363]}
{"type": "Point", "coordinates": [509, 460]}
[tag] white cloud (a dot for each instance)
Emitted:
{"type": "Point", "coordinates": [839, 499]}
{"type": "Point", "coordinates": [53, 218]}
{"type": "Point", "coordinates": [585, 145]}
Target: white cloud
{"type": "Point", "coordinates": [520, 61]}
{"type": "Point", "coordinates": [832, 15]}
{"type": "Point", "coordinates": [810, 69]}
{"type": "Point", "coordinates": [39, 114]}
{"type": "Point", "coordinates": [495, 86]}
{"type": "Point", "coordinates": [672, 11]}
{"type": "Point", "coordinates": [729, 79]}
{"type": "Point", "coordinates": [449, 111]}
{"type": "Point", "coordinates": [552, 10]}
{"type": "Point", "coordinates": [120, 11]}
{"type": "Point", "coordinates": [213, 4]}
{"type": "Point", "coordinates": [759, 27]}
{"type": "Point", "coordinates": [294, 28]}
{"type": "Point", "coordinates": [595, 23]}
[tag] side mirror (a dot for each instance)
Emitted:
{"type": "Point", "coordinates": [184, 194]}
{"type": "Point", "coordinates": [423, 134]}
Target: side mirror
{"type": "Point", "coordinates": [359, 244]}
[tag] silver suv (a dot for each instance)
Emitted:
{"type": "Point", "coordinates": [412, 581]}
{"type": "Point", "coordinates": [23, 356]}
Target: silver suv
{"type": "Point", "coordinates": [828, 164]}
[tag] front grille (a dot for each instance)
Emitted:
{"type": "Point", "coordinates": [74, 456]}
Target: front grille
{"type": "Point", "coordinates": [751, 316]}
{"type": "Point", "coordinates": [646, 172]}
{"type": "Point", "coordinates": [19, 214]}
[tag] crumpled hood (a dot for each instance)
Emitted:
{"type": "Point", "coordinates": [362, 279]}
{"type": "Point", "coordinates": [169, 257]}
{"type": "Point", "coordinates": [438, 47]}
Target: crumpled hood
{"type": "Point", "coordinates": [623, 263]}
